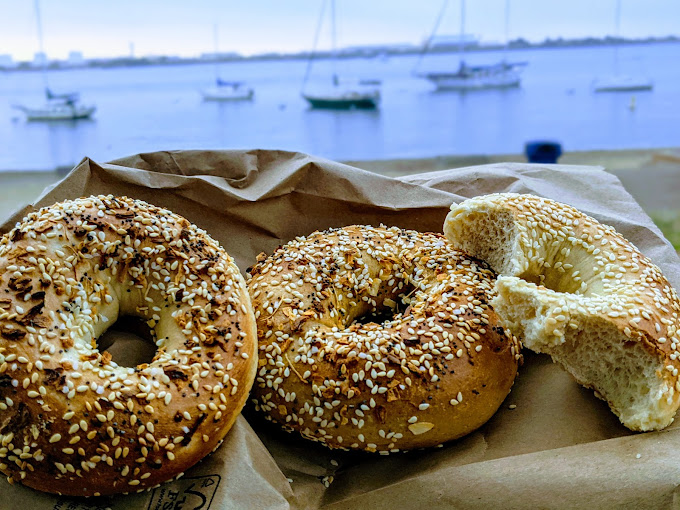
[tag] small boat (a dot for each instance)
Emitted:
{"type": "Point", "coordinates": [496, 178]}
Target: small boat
{"type": "Point", "coordinates": [370, 81]}
{"type": "Point", "coordinates": [496, 76]}
{"type": "Point", "coordinates": [228, 91]}
{"type": "Point", "coordinates": [343, 94]}
{"type": "Point", "coordinates": [58, 107]}
{"type": "Point", "coordinates": [344, 100]}
{"type": "Point", "coordinates": [224, 90]}
{"type": "Point", "coordinates": [501, 75]}
{"type": "Point", "coordinates": [618, 82]}
{"type": "Point", "coordinates": [622, 84]}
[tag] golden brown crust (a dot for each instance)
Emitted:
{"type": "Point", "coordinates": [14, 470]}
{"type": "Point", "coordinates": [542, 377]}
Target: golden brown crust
{"type": "Point", "coordinates": [588, 277]}
{"type": "Point", "coordinates": [71, 420]}
{"type": "Point", "coordinates": [433, 372]}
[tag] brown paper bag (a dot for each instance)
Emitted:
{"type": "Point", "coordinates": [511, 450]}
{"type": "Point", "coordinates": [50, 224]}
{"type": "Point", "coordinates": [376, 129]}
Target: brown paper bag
{"type": "Point", "coordinates": [560, 447]}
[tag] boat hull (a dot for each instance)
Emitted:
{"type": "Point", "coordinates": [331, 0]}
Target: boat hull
{"type": "Point", "coordinates": [612, 86]}
{"type": "Point", "coordinates": [468, 85]}
{"type": "Point", "coordinates": [218, 95]}
{"type": "Point", "coordinates": [637, 88]}
{"type": "Point", "coordinates": [57, 115]}
{"type": "Point", "coordinates": [444, 81]}
{"type": "Point", "coordinates": [364, 103]}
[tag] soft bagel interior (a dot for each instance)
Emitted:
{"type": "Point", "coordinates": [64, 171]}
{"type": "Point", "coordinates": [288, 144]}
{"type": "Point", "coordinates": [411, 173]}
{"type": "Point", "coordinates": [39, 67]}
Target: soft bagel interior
{"type": "Point", "coordinates": [575, 289]}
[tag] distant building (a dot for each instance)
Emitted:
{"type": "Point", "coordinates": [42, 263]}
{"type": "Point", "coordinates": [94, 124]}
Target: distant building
{"type": "Point", "coordinates": [39, 59]}
{"type": "Point", "coordinates": [75, 59]}
{"type": "Point", "coordinates": [7, 62]}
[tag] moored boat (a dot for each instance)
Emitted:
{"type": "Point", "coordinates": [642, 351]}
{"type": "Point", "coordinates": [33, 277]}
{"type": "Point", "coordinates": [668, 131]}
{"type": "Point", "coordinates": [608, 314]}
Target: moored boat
{"type": "Point", "coordinates": [58, 112]}
{"type": "Point", "coordinates": [340, 94]}
{"type": "Point", "coordinates": [618, 82]}
{"type": "Point", "coordinates": [344, 99]}
{"type": "Point", "coordinates": [58, 107]}
{"type": "Point", "coordinates": [496, 76]}
{"type": "Point", "coordinates": [500, 75]}
{"type": "Point", "coordinates": [623, 84]}
{"type": "Point", "coordinates": [228, 91]}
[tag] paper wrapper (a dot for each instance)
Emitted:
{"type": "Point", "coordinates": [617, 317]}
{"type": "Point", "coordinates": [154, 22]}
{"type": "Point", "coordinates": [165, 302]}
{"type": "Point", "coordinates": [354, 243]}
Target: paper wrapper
{"type": "Point", "coordinates": [560, 447]}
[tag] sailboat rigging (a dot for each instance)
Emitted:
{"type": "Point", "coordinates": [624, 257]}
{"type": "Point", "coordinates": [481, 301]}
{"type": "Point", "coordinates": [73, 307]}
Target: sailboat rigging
{"type": "Point", "coordinates": [619, 82]}
{"type": "Point", "coordinates": [343, 93]}
{"type": "Point", "coordinates": [58, 106]}
{"type": "Point", "coordinates": [501, 75]}
{"type": "Point", "coordinates": [225, 90]}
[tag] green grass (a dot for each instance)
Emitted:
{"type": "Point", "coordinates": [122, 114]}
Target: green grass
{"type": "Point", "coordinates": [669, 223]}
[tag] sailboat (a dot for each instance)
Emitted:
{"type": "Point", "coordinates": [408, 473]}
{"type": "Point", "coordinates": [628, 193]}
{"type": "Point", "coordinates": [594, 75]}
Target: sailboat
{"type": "Point", "coordinates": [342, 94]}
{"type": "Point", "coordinates": [501, 75]}
{"type": "Point", "coordinates": [618, 82]}
{"type": "Point", "coordinates": [57, 106]}
{"type": "Point", "coordinates": [224, 90]}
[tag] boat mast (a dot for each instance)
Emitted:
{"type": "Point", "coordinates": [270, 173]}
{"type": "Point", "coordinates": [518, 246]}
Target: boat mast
{"type": "Point", "coordinates": [461, 48]}
{"type": "Point", "coordinates": [617, 32]}
{"type": "Point", "coordinates": [308, 71]}
{"type": "Point", "coordinates": [216, 45]}
{"type": "Point", "coordinates": [428, 43]}
{"type": "Point", "coordinates": [41, 47]}
{"type": "Point", "coordinates": [507, 30]}
{"type": "Point", "coordinates": [333, 44]}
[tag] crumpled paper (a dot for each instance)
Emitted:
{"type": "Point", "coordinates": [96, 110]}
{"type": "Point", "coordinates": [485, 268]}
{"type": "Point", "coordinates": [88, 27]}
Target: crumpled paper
{"type": "Point", "coordinates": [560, 447]}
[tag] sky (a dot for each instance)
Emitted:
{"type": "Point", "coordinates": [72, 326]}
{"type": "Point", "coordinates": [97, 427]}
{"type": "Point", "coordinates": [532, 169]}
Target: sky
{"type": "Point", "coordinates": [100, 28]}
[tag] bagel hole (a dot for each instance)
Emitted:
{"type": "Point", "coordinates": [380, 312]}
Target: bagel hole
{"type": "Point", "coordinates": [553, 280]}
{"type": "Point", "coordinates": [129, 341]}
{"type": "Point", "coordinates": [533, 278]}
{"type": "Point", "coordinates": [380, 316]}
{"type": "Point", "coordinates": [388, 308]}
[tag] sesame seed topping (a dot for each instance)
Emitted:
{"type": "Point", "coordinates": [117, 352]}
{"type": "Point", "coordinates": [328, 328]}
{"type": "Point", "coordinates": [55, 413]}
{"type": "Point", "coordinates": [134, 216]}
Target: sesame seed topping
{"type": "Point", "coordinates": [569, 272]}
{"type": "Point", "coordinates": [69, 268]}
{"type": "Point", "coordinates": [358, 321]}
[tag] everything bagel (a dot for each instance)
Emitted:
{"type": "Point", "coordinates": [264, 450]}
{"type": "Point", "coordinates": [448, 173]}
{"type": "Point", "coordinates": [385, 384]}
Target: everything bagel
{"type": "Point", "coordinates": [378, 339]}
{"type": "Point", "coordinates": [72, 421]}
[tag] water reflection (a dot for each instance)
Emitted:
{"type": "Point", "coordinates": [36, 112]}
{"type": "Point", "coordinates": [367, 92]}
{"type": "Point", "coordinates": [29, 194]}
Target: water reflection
{"type": "Point", "coordinates": [63, 139]}
{"type": "Point", "coordinates": [344, 134]}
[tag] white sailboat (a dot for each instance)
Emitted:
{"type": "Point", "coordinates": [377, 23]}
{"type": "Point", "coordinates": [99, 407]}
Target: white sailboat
{"type": "Point", "coordinates": [224, 90]}
{"type": "Point", "coordinates": [340, 94]}
{"type": "Point", "coordinates": [620, 82]}
{"type": "Point", "coordinates": [501, 75]}
{"type": "Point", "coordinates": [228, 91]}
{"type": "Point", "coordinates": [57, 106]}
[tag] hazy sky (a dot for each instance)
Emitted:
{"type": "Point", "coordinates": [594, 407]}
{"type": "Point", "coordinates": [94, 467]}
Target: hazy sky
{"type": "Point", "coordinates": [174, 27]}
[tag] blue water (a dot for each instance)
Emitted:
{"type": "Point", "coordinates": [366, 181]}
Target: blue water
{"type": "Point", "coordinates": [158, 108]}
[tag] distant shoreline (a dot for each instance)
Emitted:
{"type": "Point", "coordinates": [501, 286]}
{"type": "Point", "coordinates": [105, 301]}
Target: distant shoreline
{"type": "Point", "coordinates": [346, 53]}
